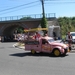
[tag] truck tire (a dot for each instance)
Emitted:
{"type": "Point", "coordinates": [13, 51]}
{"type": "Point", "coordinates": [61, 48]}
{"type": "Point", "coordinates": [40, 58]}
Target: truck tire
{"type": "Point", "coordinates": [56, 52]}
{"type": "Point", "coordinates": [33, 51]}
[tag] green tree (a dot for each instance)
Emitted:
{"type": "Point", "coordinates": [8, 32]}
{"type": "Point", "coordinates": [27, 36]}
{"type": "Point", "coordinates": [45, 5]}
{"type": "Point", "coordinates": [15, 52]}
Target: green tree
{"type": "Point", "coordinates": [73, 21]}
{"type": "Point", "coordinates": [67, 24]}
{"type": "Point", "coordinates": [20, 30]}
{"type": "Point", "coordinates": [44, 23]}
{"type": "Point", "coordinates": [25, 18]}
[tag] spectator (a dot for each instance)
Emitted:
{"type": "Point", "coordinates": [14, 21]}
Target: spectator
{"type": "Point", "coordinates": [69, 40]}
{"type": "Point", "coordinates": [25, 37]}
{"type": "Point", "coordinates": [54, 35]}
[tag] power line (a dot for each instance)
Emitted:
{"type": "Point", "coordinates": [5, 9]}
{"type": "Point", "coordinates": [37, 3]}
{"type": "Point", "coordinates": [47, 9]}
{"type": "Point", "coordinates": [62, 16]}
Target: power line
{"type": "Point", "coordinates": [18, 6]}
{"type": "Point", "coordinates": [29, 5]}
{"type": "Point", "coordinates": [51, 1]}
{"type": "Point", "coordinates": [60, 2]}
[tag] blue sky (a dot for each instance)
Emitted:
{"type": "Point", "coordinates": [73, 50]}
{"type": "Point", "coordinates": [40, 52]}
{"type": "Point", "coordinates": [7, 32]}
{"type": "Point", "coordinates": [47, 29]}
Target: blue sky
{"type": "Point", "coordinates": [26, 7]}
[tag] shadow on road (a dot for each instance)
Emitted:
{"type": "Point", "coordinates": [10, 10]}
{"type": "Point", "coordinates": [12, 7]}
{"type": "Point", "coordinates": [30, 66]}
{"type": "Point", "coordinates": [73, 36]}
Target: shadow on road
{"type": "Point", "coordinates": [36, 54]}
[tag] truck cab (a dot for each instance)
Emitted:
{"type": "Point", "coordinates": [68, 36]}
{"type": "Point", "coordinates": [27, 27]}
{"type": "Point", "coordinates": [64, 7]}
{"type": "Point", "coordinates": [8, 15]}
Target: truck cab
{"type": "Point", "coordinates": [47, 45]}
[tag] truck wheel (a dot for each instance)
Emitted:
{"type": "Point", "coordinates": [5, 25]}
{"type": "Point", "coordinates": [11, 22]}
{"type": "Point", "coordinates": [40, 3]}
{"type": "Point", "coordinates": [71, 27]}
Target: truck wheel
{"type": "Point", "coordinates": [33, 51]}
{"type": "Point", "coordinates": [56, 52]}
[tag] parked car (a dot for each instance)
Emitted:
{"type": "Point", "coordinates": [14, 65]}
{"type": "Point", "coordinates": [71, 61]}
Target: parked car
{"type": "Point", "coordinates": [73, 37]}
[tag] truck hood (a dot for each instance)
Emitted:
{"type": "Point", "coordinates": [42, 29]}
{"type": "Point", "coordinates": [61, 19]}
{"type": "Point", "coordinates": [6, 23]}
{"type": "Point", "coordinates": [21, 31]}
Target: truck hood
{"type": "Point", "coordinates": [59, 44]}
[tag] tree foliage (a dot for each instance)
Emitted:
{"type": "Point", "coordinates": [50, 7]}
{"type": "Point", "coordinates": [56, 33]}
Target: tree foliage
{"type": "Point", "coordinates": [25, 18]}
{"type": "Point", "coordinates": [44, 24]}
{"type": "Point", "coordinates": [20, 30]}
{"type": "Point", "coordinates": [67, 24]}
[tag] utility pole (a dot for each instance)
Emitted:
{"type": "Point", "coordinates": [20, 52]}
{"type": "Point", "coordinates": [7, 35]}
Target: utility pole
{"type": "Point", "coordinates": [43, 10]}
{"type": "Point", "coordinates": [43, 20]}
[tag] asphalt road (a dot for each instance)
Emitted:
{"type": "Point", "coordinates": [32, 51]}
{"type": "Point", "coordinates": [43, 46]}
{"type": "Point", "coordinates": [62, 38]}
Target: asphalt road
{"type": "Point", "coordinates": [15, 61]}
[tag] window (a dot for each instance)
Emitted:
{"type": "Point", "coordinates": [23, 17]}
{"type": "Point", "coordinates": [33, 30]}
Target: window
{"type": "Point", "coordinates": [32, 42]}
{"type": "Point", "coordinates": [44, 41]}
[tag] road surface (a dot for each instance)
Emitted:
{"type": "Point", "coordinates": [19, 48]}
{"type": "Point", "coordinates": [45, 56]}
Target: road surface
{"type": "Point", "coordinates": [15, 61]}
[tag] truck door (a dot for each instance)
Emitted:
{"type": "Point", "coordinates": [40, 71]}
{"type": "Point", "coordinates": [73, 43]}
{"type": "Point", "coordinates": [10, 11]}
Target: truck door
{"type": "Point", "coordinates": [45, 46]}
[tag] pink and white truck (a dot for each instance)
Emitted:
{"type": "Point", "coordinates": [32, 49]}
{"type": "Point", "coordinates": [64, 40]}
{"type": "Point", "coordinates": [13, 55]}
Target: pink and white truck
{"type": "Point", "coordinates": [46, 44]}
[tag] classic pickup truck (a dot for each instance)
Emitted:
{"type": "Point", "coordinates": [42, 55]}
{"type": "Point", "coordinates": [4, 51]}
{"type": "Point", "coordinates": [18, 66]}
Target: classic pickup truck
{"type": "Point", "coordinates": [47, 45]}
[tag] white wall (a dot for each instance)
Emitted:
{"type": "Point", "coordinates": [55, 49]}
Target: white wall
{"type": "Point", "coordinates": [52, 29]}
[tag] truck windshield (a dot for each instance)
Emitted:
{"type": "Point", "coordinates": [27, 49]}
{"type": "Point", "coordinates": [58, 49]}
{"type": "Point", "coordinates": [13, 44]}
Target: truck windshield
{"type": "Point", "coordinates": [50, 40]}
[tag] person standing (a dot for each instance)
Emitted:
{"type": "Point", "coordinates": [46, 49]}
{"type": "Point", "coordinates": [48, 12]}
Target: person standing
{"type": "Point", "coordinates": [69, 40]}
{"type": "Point", "coordinates": [54, 35]}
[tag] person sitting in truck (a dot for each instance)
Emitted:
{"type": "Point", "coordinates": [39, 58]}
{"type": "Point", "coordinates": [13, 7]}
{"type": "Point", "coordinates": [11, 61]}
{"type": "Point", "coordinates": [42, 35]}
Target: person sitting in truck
{"type": "Point", "coordinates": [46, 33]}
{"type": "Point", "coordinates": [36, 36]}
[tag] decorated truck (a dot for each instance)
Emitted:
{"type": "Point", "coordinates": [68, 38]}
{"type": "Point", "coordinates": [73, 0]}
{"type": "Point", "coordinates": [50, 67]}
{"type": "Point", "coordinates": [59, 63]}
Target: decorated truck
{"type": "Point", "coordinates": [46, 44]}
